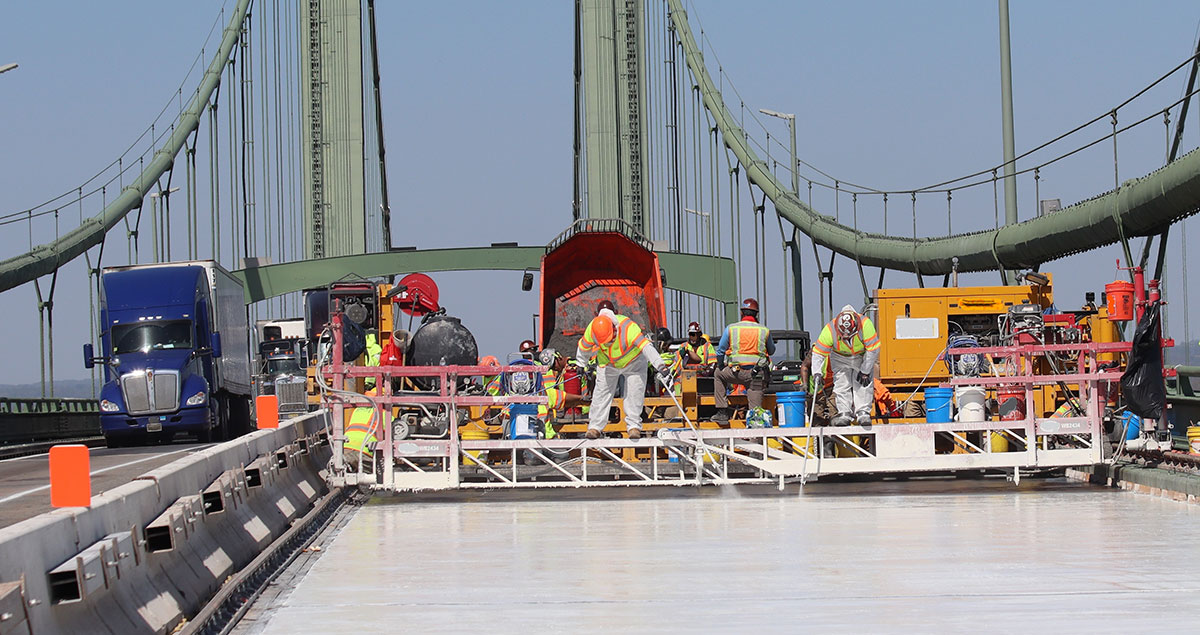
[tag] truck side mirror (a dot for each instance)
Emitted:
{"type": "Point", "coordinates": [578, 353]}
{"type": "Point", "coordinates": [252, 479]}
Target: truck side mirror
{"type": "Point", "coordinates": [89, 356]}
{"type": "Point", "coordinates": [216, 345]}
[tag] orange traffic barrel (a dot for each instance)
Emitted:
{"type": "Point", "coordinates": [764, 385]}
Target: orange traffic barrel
{"type": "Point", "coordinates": [1120, 300]}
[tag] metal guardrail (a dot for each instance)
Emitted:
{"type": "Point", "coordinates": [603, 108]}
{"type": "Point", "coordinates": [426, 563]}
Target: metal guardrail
{"type": "Point", "coordinates": [31, 420]}
{"type": "Point", "coordinates": [600, 225]}
{"type": "Point", "coordinates": [1184, 398]}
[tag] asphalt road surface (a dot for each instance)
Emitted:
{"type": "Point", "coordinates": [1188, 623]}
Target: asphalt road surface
{"type": "Point", "coordinates": [25, 481]}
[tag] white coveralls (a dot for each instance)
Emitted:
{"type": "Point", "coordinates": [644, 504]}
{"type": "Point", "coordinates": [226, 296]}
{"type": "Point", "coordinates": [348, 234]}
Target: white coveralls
{"type": "Point", "coordinates": [852, 398]}
{"type": "Point", "coordinates": [607, 376]}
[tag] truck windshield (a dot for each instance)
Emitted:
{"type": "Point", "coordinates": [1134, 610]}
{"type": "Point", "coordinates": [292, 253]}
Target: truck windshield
{"type": "Point", "coordinates": [283, 366]}
{"type": "Point", "coordinates": [147, 336]}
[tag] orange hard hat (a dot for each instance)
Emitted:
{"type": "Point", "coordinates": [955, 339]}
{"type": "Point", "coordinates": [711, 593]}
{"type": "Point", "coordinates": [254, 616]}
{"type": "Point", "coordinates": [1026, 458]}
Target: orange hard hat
{"type": "Point", "coordinates": [602, 329]}
{"type": "Point", "coordinates": [489, 360]}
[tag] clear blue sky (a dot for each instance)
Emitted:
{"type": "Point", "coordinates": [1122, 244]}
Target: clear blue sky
{"type": "Point", "coordinates": [478, 99]}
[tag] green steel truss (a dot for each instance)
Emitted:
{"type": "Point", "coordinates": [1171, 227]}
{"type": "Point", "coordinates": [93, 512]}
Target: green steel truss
{"type": "Point", "coordinates": [705, 276]}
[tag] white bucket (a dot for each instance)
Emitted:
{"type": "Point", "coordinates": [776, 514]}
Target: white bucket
{"type": "Point", "coordinates": [970, 402]}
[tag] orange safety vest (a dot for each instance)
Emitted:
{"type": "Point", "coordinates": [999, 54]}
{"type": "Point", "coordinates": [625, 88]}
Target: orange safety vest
{"type": "Point", "coordinates": [626, 344]}
{"type": "Point", "coordinates": [747, 342]}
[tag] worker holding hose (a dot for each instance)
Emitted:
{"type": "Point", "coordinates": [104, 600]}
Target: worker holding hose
{"type": "Point", "coordinates": [621, 351]}
{"type": "Point", "coordinates": [850, 347]}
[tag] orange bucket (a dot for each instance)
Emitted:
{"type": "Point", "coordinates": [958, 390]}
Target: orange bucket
{"type": "Point", "coordinates": [1120, 300]}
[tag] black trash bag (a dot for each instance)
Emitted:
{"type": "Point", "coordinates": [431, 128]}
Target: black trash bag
{"type": "Point", "coordinates": [1142, 384]}
{"type": "Point", "coordinates": [354, 341]}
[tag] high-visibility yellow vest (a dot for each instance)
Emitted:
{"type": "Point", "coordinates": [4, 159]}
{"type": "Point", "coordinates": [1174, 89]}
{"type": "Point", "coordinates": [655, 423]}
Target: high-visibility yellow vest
{"type": "Point", "coordinates": [865, 340]}
{"type": "Point", "coordinates": [674, 363]}
{"type": "Point", "coordinates": [626, 344]}
{"type": "Point", "coordinates": [373, 351]}
{"type": "Point", "coordinates": [705, 350]}
{"type": "Point", "coordinates": [747, 342]}
{"type": "Point", "coordinates": [358, 432]}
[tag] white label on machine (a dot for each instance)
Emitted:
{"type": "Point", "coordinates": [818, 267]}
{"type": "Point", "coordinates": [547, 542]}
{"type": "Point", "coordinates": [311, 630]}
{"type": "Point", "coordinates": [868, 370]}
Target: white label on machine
{"type": "Point", "coordinates": [916, 328]}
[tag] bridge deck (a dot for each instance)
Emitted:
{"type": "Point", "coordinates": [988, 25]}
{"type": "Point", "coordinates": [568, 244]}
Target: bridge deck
{"type": "Point", "coordinates": [914, 556]}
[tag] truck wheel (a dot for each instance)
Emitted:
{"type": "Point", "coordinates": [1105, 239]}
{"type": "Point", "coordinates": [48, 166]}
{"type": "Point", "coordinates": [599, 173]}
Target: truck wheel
{"type": "Point", "coordinates": [215, 431]}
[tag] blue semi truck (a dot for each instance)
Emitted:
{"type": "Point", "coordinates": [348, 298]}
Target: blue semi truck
{"type": "Point", "coordinates": [174, 343]}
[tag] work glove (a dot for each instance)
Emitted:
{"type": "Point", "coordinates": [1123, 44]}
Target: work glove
{"type": "Point", "coordinates": [864, 379]}
{"type": "Point", "coordinates": [665, 376]}
{"type": "Point", "coordinates": [818, 383]}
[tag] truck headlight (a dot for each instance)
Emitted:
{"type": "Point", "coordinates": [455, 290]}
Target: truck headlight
{"type": "Point", "coordinates": [108, 406]}
{"type": "Point", "coordinates": [196, 399]}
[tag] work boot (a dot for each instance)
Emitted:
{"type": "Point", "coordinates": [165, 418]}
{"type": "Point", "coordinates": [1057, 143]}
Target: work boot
{"type": "Point", "coordinates": [841, 419]}
{"type": "Point", "coordinates": [635, 434]}
{"type": "Point", "coordinates": [593, 434]}
{"type": "Point", "coordinates": [721, 417]}
{"type": "Point", "coordinates": [864, 419]}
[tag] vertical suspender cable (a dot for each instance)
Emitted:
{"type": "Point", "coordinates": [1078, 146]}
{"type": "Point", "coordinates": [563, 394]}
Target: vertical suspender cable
{"type": "Point", "coordinates": [576, 210]}
{"type": "Point", "coordinates": [214, 176]}
{"type": "Point", "coordinates": [246, 114]}
{"type": "Point", "coordinates": [383, 184]}
{"type": "Point", "coordinates": [231, 160]}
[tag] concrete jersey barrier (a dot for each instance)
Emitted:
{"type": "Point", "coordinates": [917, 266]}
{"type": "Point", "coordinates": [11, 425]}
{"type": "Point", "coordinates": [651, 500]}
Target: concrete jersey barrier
{"type": "Point", "coordinates": [149, 553]}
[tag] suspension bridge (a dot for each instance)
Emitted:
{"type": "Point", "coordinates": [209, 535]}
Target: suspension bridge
{"type": "Point", "coordinates": [248, 164]}
{"type": "Point", "coordinates": [269, 156]}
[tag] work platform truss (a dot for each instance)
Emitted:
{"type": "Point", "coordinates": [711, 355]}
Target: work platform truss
{"type": "Point", "coordinates": [680, 453]}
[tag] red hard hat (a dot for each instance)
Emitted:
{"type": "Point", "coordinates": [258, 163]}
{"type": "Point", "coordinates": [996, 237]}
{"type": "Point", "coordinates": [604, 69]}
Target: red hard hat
{"type": "Point", "coordinates": [527, 346]}
{"type": "Point", "coordinates": [605, 304]}
{"type": "Point", "coordinates": [694, 327]}
{"type": "Point", "coordinates": [750, 304]}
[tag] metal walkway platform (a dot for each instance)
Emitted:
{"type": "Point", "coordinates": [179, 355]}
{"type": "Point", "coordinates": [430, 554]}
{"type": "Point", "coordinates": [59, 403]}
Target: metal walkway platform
{"type": "Point", "coordinates": [672, 455]}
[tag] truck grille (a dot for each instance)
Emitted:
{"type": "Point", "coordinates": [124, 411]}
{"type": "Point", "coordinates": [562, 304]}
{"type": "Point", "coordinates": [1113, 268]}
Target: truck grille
{"type": "Point", "coordinates": [291, 394]}
{"type": "Point", "coordinates": [147, 393]}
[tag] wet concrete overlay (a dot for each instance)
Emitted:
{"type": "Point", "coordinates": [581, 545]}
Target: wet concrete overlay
{"type": "Point", "coordinates": [955, 555]}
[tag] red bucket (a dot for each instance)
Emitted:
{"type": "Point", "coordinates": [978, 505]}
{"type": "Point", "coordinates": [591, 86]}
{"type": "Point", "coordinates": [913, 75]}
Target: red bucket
{"type": "Point", "coordinates": [1012, 402]}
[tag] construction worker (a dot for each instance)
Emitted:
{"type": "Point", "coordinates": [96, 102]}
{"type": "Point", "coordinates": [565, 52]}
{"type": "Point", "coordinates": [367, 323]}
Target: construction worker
{"type": "Point", "coordinates": [622, 351]}
{"type": "Point", "coordinates": [850, 345]}
{"type": "Point", "coordinates": [743, 357]}
{"type": "Point", "coordinates": [360, 434]}
{"type": "Point", "coordinates": [559, 399]}
{"type": "Point", "coordinates": [698, 348]}
{"type": "Point", "coordinates": [491, 383]}
{"type": "Point", "coordinates": [527, 349]}
{"type": "Point", "coordinates": [373, 353]}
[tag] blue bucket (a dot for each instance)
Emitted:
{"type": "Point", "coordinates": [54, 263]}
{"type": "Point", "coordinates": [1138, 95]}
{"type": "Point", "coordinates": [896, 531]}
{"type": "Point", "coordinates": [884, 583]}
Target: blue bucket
{"type": "Point", "coordinates": [1132, 424]}
{"type": "Point", "coordinates": [937, 404]}
{"type": "Point", "coordinates": [792, 404]}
